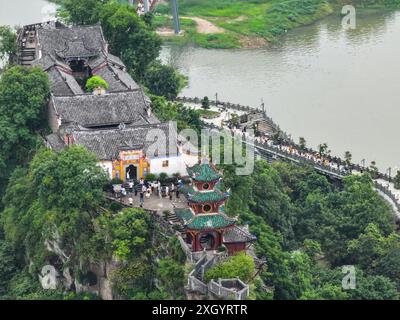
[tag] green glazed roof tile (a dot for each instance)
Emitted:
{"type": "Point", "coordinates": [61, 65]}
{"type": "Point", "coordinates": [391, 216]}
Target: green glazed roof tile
{"type": "Point", "coordinates": [213, 221]}
{"type": "Point", "coordinates": [212, 196]}
{"type": "Point", "coordinates": [184, 214]}
{"type": "Point", "coordinates": [203, 172]}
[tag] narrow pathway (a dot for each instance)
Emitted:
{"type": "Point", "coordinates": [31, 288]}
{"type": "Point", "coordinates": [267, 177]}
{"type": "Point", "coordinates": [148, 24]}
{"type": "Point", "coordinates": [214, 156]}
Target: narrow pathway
{"type": "Point", "coordinates": [204, 26]}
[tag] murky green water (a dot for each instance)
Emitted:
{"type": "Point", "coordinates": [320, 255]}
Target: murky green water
{"type": "Point", "coordinates": [20, 12]}
{"type": "Point", "coordinates": [321, 82]}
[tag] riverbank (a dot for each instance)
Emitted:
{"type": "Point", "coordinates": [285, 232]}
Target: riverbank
{"type": "Point", "coordinates": [222, 24]}
{"type": "Point", "coordinates": [244, 24]}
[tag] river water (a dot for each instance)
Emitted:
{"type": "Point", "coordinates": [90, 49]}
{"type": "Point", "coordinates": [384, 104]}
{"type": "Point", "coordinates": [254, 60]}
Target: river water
{"type": "Point", "coordinates": [21, 12]}
{"type": "Point", "coordinates": [321, 82]}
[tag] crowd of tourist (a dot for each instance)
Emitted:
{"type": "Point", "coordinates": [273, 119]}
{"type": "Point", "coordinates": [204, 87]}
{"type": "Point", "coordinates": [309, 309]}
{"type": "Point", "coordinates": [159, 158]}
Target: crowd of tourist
{"type": "Point", "coordinates": [145, 189]}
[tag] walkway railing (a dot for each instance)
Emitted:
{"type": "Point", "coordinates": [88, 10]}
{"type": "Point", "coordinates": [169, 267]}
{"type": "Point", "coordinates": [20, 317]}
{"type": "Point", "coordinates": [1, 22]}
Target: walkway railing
{"type": "Point", "coordinates": [224, 288]}
{"type": "Point", "coordinates": [385, 190]}
{"type": "Point", "coordinates": [237, 107]}
{"type": "Point", "coordinates": [268, 150]}
{"type": "Point", "coordinates": [229, 289]}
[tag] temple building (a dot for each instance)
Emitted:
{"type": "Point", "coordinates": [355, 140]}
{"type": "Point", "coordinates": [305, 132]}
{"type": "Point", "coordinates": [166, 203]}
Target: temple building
{"type": "Point", "coordinates": [206, 224]}
{"type": "Point", "coordinates": [117, 124]}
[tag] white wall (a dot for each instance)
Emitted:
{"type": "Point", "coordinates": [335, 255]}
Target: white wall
{"type": "Point", "coordinates": [189, 160]}
{"type": "Point", "coordinates": [107, 166]}
{"type": "Point", "coordinates": [175, 165]}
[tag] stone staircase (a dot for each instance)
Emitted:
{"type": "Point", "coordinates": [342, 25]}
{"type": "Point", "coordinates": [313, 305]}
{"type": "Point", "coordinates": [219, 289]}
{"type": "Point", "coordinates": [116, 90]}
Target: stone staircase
{"type": "Point", "coordinates": [27, 55]}
{"type": "Point", "coordinates": [222, 289]}
{"type": "Point", "coordinates": [173, 219]}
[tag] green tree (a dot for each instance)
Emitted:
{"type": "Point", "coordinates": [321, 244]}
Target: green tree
{"type": "Point", "coordinates": [389, 266]}
{"type": "Point", "coordinates": [8, 42]}
{"type": "Point", "coordinates": [326, 292]}
{"type": "Point", "coordinates": [312, 249]}
{"type": "Point", "coordinates": [132, 280]}
{"type": "Point", "coordinates": [370, 246]}
{"type": "Point", "coordinates": [129, 37]}
{"type": "Point", "coordinates": [130, 232]}
{"type": "Point", "coordinates": [174, 111]}
{"type": "Point", "coordinates": [205, 103]}
{"type": "Point", "coordinates": [302, 143]}
{"type": "Point", "coordinates": [172, 276]}
{"type": "Point", "coordinates": [373, 288]}
{"type": "Point", "coordinates": [23, 95]}
{"type": "Point", "coordinates": [82, 12]}
{"type": "Point", "coordinates": [373, 169]}
{"type": "Point", "coordinates": [163, 80]}
{"type": "Point", "coordinates": [56, 200]}
{"type": "Point", "coordinates": [95, 83]}
{"type": "Point", "coordinates": [239, 265]}
{"type": "Point", "coordinates": [323, 149]}
{"type": "Point", "coordinates": [348, 156]}
{"type": "Point", "coordinates": [8, 265]}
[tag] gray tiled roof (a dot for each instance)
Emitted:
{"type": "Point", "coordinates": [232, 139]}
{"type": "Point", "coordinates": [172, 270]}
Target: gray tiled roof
{"type": "Point", "coordinates": [124, 77]}
{"type": "Point", "coordinates": [115, 60]}
{"type": "Point", "coordinates": [107, 143]}
{"type": "Point", "coordinates": [100, 110]}
{"type": "Point", "coordinates": [58, 44]}
{"type": "Point", "coordinates": [55, 142]}
{"type": "Point", "coordinates": [62, 83]}
{"type": "Point", "coordinates": [112, 80]}
{"type": "Point", "coordinates": [78, 41]}
{"type": "Point", "coordinates": [61, 80]}
{"type": "Point", "coordinates": [238, 234]}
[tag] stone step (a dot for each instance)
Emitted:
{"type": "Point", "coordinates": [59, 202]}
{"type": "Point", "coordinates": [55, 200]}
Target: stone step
{"type": "Point", "coordinates": [27, 54]}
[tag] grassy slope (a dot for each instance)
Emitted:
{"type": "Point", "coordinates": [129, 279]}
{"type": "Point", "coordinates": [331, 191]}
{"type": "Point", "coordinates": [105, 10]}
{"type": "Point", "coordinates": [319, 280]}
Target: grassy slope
{"type": "Point", "coordinates": [244, 19]}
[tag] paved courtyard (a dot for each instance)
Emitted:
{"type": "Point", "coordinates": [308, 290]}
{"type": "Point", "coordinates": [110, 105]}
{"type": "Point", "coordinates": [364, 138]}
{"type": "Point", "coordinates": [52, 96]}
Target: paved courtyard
{"type": "Point", "coordinates": [155, 203]}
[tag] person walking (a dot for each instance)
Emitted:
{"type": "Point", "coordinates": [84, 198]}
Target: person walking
{"type": "Point", "coordinates": [171, 191]}
{"type": "Point", "coordinates": [141, 198]}
{"type": "Point", "coordinates": [159, 189]}
{"type": "Point", "coordinates": [131, 201]}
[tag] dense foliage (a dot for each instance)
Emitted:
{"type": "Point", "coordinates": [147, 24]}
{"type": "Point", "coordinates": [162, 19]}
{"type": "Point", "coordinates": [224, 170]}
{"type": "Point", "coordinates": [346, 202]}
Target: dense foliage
{"type": "Point", "coordinates": [8, 42]}
{"type": "Point", "coordinates": [307, 228]}
{"type": "Point", "coordinates": [164, 80]}
{"type": "Point", "coordinates": [175, 111]}
{"type": "Point", "coordinates": [55, 213]}
{"type": "Point", "coordinates": [23, 96]}
{"type": "Point", "coordinates": [239, 265]}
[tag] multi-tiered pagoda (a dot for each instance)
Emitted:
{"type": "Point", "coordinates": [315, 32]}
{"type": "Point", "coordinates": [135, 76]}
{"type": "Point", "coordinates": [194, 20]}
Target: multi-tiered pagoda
{"type": "Point", "coordinates": [206, 224]}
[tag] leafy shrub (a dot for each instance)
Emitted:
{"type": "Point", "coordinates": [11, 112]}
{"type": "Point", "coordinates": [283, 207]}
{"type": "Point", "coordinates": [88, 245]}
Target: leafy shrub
{"type": "Point", "coordinates": [96, 82]}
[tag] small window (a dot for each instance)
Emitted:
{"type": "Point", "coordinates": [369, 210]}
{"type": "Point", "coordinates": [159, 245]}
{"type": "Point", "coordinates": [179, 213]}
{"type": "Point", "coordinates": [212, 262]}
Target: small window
{"type": "Point", "coordinates": [207, 208]}
{"type": "Point", "coordinates": [206, 186]}
{"type": "Point", "coordinates": [165, 164]}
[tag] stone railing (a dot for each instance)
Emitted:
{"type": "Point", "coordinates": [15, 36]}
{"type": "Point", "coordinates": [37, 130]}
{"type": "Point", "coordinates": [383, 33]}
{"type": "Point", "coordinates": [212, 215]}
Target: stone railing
{"type": "Point", "coordinates": [229, 289]}
{"type": "Point", "coordinates": [191, 256]}
{"type": "Point", "coordinates": [234, 106]}
{"type": "Point", "coordinates": [194, 283]}
{"type": "Point", "coordinates": [279, 151]}
{"type": "Point", "coordinates": [385, 190]}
